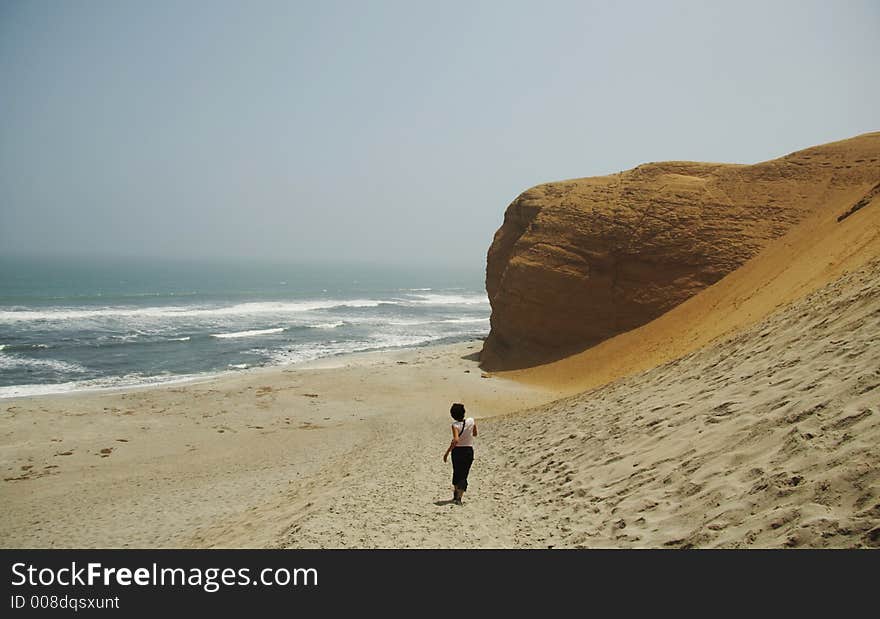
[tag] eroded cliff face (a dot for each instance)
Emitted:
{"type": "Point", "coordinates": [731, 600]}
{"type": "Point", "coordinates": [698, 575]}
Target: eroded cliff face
{"type": "Point", "coordinates": [579, 261]}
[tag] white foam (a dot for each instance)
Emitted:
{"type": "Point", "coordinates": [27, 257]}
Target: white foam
{"type": "Point", "coordinates": [129, 337]}
{"type": "Point", "coordinates": [451, 299]}
{"type": "Point", "coordinates": [9, 362]}
{"type": "Point", "coordinates": [241, 309]}
{"type": "Point", "coordinates": [466, 321]}
{"type": "Point", "coordinates": [403, 341]}
{"type": "Point", "coordinates": [406, 323]}
{"type": "Point", "coordinates": [438, 321]}
{"type": "Point", "coordinates": [299, 354]}
{"type": "Point", "coordinates": [328, 325]}
{"type": "Point", "coordinates": [20, 391]}
{"type": "Point", "coordinates": [238, 366]}
{"type": "Point", "coordinates": [355, 303]}
{"type": "Point", "coordinates": [179, 339]}
{"type": "Point", "coordinates": [252, 333]}
{"type": "Point", "coordinates": [309, 352]}
{"type": "Point", "coordinates": [128, 381]}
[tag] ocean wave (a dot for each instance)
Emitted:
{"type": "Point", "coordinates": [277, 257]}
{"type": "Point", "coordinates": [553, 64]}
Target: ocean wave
{"type": "Point", "coordinates": [300, 354]}
{"type": "Point", "coordinates": [407, 323]}
{"type": "Point", "coordinates": [125, 339]}
{"type": "Point", "coordinates": [21, 347]}
{"type": "Point", "coordinates": [402, 341]}
{"type": "Point", "coordinates": [465, 321]}
{"type": "Point", "coordinates": [179, 339]}
{"type": "Point", "coordinates": [295, 354]}
{"type": "Point", "coordinates": [251, 333]}
{"type": "Point", "coordinates": [304, 353]}
{"type": "Point", "coordinates": [100, 384]}
{"type": "Point", "coordinates": [328, 325]}
{"type": "Point", "coordinates": [451, 299]}
{"type": "Point", "coordinates": [11, 362]}
{"type": "Point", "coordinates": [435, 321]}
{"type": "Point", "coordinates": [240, 309]}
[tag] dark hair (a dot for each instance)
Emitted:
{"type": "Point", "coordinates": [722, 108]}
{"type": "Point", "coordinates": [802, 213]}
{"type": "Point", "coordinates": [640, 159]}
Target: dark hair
{"type": "Point", "coordinates": [457, 411]}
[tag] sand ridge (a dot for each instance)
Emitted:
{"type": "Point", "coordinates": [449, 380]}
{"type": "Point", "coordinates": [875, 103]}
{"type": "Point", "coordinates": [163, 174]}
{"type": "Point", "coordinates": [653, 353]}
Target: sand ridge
{"type": "Point", "coordinates": [767, 439]}
{"type": "Point", "coordinates": [579, 261]}
{"type": "Point", "coordinates": [809, 256]}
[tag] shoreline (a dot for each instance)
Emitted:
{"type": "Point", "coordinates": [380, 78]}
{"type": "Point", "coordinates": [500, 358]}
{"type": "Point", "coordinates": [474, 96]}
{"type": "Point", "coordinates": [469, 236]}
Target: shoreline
{"type": "Point", "coordinates": [342, 359]}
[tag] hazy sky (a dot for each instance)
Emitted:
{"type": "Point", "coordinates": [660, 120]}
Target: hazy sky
{"type": "Point", "coordinates": [389, 131]}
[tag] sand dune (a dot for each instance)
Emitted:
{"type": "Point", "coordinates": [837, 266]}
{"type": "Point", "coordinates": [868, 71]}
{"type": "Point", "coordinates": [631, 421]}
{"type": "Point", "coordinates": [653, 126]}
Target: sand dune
{"type": "Point", "coordinates": [767, 439]}
{"type": "Point", "coordinates": [811, 255]}
{"type": "Point", "coordinates": [579, 261]}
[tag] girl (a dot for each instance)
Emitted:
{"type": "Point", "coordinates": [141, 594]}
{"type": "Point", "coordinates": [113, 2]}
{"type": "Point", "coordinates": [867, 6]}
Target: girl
{"type": "Point", "coordinates": [464, 429]}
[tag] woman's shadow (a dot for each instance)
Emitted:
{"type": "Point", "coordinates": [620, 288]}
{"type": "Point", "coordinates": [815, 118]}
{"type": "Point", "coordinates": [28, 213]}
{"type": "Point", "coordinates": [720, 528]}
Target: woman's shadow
{"type": "Point", "coordinates": [446, 502]}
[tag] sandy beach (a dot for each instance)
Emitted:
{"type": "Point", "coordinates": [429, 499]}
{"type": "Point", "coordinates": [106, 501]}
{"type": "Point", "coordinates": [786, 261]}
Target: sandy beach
{"type": "Point", "coordinates": [247, 460]}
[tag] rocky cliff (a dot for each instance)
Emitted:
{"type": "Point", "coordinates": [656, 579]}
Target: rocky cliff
{"type": "Point", "coordinates": [576, 262]}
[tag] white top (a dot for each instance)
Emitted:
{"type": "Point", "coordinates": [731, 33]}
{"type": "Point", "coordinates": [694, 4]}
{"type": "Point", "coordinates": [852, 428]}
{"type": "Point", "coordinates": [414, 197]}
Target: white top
{"type": "Point", "coordinates": [466, 436]}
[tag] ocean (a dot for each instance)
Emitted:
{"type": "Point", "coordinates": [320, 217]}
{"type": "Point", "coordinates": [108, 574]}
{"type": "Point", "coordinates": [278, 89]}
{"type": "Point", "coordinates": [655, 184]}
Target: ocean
{"type": "Point", "coordinates": [68, 325]}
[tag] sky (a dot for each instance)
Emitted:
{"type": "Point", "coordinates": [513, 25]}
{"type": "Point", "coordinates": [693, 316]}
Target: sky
{"type": "Point", "coordinates": [389, 132]}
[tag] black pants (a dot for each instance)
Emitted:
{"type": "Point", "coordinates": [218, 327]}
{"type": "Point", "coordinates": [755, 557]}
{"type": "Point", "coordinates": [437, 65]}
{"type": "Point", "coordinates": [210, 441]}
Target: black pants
{"type": "Point", "coordinates": [462, 458]}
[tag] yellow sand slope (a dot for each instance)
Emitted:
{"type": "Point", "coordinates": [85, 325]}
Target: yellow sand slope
{"type": "Point", "coordinates": [811, 255]}
{"type": "Point", "coordinates": [767, 439]}
{"type": "Point", "coordinates": [578, 262]}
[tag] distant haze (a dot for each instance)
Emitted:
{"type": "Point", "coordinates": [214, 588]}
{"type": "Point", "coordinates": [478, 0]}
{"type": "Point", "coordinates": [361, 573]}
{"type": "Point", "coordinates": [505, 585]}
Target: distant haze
{"type": "Point", "coordinates": [389, 132]}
